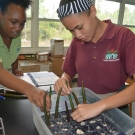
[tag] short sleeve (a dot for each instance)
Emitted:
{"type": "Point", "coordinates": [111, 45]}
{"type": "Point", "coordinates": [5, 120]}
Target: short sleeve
{"type": "Point", "coordinates": [69, 66]}
{"type": "Point", "coordinates": [128, 53]}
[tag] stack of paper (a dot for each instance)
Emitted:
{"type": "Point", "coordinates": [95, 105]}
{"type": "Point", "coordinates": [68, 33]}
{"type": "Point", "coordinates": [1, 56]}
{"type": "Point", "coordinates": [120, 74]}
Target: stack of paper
{"type": "Point", "coordinates": [43, 78]}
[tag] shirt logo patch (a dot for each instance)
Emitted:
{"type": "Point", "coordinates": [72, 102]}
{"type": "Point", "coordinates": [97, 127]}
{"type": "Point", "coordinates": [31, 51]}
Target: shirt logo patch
{"type": "Point", "coordinates": [111, 55]}
{"type": "Point", "coordinates": [17, 50]}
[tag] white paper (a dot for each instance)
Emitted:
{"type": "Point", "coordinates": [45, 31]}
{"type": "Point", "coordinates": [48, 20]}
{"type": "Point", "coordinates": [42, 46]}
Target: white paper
{"type": "Point", "coordinates": [46, 88]}
{"type": "Point", "coordinates": [44, 78]}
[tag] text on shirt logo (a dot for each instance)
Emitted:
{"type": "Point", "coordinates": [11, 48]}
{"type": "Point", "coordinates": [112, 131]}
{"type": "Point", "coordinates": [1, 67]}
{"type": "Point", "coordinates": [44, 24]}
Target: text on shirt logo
{"type": "Point", "coordinates": [111, 55]}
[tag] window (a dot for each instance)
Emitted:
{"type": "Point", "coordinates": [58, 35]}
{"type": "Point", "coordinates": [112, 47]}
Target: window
{"type": "Point", "coordinates": [51, 29]}
{"type": "Point", "coordinates": [49, 24]}
{"type": "Point", "coordinates": [129, 15]}
{"type": "Point", "coordinates": [47, 9]}
{"type": "Point", "coordinates": [107, 10]}
{"type": "Point", "coordinates": [26, 33]}
{"type": "Point", "coordinates": [43, 23]}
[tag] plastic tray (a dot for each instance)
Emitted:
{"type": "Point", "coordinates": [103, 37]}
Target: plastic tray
{"type": "Point", "coordinates": [117, 117]}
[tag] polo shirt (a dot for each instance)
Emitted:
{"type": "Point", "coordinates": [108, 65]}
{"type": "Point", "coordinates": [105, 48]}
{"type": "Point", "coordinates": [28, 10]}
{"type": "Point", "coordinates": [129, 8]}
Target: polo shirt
{"type": "Point", "coordinates": [9, 56]}
{"type": "Point", "coordinates": [103, 66]}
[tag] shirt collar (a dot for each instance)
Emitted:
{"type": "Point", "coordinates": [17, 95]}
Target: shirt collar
{"type": "Point", "coordinates": [2, 43]}
{"type": "Point", "coordinates": [109, 32]}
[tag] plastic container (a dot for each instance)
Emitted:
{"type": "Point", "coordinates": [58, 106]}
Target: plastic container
{"type": "Point", "coordinates": [117, 117]}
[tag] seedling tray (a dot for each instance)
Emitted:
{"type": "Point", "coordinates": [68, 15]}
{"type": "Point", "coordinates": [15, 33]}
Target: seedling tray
{"type": "Point", "coordinates": [111, 122]}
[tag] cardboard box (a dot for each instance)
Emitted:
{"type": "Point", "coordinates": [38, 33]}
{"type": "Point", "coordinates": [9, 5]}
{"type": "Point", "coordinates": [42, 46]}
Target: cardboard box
{"type": "Point", "coordinates": [27, 57]}
{"type": "Point", "coordinates": [42, 56]}
{"type": "Point", "coordinates": [57, 47]}
{"type": "Point", "coordinates": [45, 66]}
{"type": "Point", "coordinates": [34, 66]}
{"type": "Point", "coordinates": [29, 66]}
{"type": "Point", "coordinates": [57, 65]}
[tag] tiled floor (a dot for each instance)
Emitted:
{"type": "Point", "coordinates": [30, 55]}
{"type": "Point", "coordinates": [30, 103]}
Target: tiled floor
{"type": "Point", "coordinates": [133, 104]}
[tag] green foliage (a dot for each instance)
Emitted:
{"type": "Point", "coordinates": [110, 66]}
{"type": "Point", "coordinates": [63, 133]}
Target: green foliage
{"type": "Point", "coordinates": [51, 29]}
{"type": "Point", "coordinates": [48, 30]}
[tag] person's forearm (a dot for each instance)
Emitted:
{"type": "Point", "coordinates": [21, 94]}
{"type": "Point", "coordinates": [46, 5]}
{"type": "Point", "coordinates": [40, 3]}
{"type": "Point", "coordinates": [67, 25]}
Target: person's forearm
{"type": "Point", "coordinates": [12, 82]}
{"type": "Point", "coordinates": [66, 76]}
{"type": "Point", "coordinates": [15, 65]}
{"type": "Point", "coordinates": [124, 97]}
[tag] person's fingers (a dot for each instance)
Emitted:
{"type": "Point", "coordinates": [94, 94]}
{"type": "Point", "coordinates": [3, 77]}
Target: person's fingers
{"type": "Point", "coordinates": [76, 116]}
{"type": "Point", "coordinates": [48, 103]}
{"type": "Point", "coordinates": [65, 87]}
{"type": "Point", "coordinates": [61, 83]}
{"type": "Point", "coordinates": [56, 87]}
{"type": "Point", "coordinates": [57, 90]}
{"type": "Point", "coordinates": [19, 73]}
{"type": "Point", "coordinates": [39, 102]}
{"type": "Point", "coordinates": [68, 85]}
{"type": "Point", "coordinates": [79, 114]}
{"type": "Point", "coordinates": [80, 118]}
{"type": "Point", "coordinates": [63, 94]}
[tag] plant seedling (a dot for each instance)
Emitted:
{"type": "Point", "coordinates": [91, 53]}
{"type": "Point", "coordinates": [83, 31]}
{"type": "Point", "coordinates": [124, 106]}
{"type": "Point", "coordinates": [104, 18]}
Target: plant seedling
{"type": "Point", "coordinates": [45, 112]}
{"type": "Point", "coordinates": [57, 103]}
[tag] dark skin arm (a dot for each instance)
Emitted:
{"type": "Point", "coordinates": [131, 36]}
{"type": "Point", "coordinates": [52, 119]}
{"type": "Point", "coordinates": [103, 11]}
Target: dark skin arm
{"type": "Point", "coordinates": [15, 70]}
{"type": "Point", "coordinates": [34, 94]}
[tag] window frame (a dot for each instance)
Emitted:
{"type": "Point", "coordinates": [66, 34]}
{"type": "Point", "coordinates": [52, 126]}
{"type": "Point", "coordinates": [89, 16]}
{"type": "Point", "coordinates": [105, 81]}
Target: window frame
{"type": "Point", "coordinates": [35, 24]}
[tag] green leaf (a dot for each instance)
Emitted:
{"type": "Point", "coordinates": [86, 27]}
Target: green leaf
{"type": "Point", "coordinates": [71, 102]}
{"type": "Point", "coordinates": [76, 100]}
{"type": "Point", "coordinates": [45, 112]}
{"type": "Point", "coordinates": [83, 93]}
{"type": "Point", "coordinates": [57, 103]}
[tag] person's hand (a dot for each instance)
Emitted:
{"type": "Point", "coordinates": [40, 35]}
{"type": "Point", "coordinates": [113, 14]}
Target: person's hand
{"type": "Point", "coordinates": [64, 84]}
{"type": "Point", "coordinates": [86, 111]}
{"type": "Point", "coordinates": [18, 72]}
{"type": "Point", "coordinates": [36, 96]}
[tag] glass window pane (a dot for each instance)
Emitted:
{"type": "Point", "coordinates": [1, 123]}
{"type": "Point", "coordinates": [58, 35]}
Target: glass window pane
{"type": "Point", "coordinates": [48, 30]}
{"type": "Point", "coordinates": [28, 12]}
{"type": "Point", "coordinates": [107, 10]}
{"type": "Point", "coordinates": [26, 34]}
{"type": "Point", "coordinates": [129, 15]}
{"type": "Point", "coordinates": [47, 9]}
